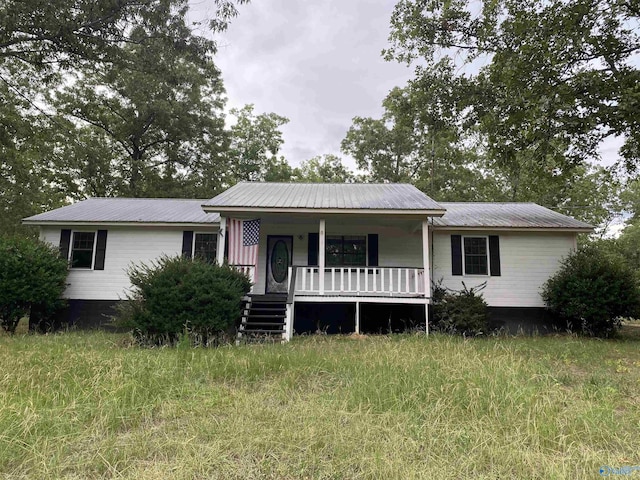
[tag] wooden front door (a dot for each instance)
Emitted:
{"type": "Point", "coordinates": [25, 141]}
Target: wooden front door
{"type": "Point", "coordinates": [279, 259]}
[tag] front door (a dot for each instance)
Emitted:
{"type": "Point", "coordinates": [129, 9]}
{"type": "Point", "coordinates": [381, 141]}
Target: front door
{"type": "Point", "coordinates": [279, 253]}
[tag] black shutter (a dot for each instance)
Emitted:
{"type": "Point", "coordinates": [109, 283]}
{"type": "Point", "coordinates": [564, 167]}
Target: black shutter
{"type": "Point", "coordinates": [312, 253]}
{"type": "Point", "coordinates": [187, 243]}
{"type": "Point", "coordinates": [373, 249]}
{"type": "Point", "coordinates": [494, 255]}
{"type": "Point", "coordinates": [225, 257]}
{"type": "Point", "coordinates": [101, 248]}
{"type": "Point", "coordinates": [456, 254]}
{"type": "Point", "coordinates": [65, 241]}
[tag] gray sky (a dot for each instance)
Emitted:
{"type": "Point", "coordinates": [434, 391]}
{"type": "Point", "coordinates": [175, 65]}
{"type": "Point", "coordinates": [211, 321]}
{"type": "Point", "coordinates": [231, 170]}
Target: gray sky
{"type": "Point", "coordinates": [317, 63]}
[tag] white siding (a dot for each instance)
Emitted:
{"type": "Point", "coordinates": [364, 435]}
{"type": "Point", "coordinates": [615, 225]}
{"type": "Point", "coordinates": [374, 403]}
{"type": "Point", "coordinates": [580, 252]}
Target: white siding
{"type": "Point", "coordinates": [527, 260]}
{"type": "Point", "coordinates": [125, 246]}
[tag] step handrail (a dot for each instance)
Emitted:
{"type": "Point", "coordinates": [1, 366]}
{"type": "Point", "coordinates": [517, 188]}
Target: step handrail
{"type": "Point", "coordinates": [292, 285]}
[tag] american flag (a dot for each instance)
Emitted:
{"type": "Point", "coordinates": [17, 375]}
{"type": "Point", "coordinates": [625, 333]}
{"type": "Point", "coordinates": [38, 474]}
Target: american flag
{"type": "Point", "coordinates": [244, 236]}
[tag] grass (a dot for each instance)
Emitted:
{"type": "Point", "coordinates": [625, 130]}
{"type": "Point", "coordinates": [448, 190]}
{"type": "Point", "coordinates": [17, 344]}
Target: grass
{"type": "Point", "coordinates": [88, 405]}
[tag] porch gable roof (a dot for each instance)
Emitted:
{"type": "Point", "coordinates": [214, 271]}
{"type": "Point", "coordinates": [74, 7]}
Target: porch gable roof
{"type": "Point", "coordinates": [391, 198]}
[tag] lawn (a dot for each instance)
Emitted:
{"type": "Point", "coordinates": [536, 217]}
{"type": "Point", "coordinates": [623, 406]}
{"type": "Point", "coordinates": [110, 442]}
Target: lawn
{"type": "Point", "coordinates": [89, 405]}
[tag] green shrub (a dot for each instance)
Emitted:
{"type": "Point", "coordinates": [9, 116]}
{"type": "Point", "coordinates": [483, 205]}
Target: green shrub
{"type": "Point", "coordinates": [32, 275]}
{"type": "Point", "coordinates": [178, 295]}
{"type": "Point", "coordinates": [592, 291]}
{"type": "Point", "coordinates": [461, 312]}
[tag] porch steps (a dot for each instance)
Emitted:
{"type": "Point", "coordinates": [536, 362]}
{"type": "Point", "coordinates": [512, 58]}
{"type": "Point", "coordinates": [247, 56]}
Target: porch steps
{"type": "Point", "coordinates": [263, 319]}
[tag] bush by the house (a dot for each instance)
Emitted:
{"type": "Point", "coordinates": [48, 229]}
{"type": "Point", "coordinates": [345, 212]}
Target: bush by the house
{"type": "Point", "coordinates": [177, 296]}
{"type": "Point", "coordinates": [592, 291]}
{"type": "Point", "coordinates": [32, 275]}
{"type": "Point", "coordinates": [461, 312]}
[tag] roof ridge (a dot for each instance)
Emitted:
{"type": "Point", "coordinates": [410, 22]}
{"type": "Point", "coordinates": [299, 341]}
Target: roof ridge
{"type": "Point", "coordinates": [147, 198]}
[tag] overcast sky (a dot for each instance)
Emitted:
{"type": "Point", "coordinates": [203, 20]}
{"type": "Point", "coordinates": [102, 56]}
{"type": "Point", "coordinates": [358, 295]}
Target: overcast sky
{"type": "Point", "coordinates": [317, 63]}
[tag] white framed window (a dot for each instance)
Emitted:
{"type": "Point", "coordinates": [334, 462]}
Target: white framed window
{"type": "Point", "coordinates": [475, 255]}
{"type": "Point", "coordinates": [83, 250]}
{"type": "Point", "coordinates": [205, 245]}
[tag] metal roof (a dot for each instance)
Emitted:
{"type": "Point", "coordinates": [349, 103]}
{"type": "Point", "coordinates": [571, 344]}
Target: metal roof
{"type": "Point", "coordinates": [129, 210]}
{"type": "Point", "coordinates": [505, 215]}
{"type": "Point", "coordinates": [324, 196]}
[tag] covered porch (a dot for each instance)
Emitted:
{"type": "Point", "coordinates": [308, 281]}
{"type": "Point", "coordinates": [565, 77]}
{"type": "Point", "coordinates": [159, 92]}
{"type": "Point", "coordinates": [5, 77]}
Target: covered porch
{"type": "Point", "coordinates": [331, 244]}
{"type": "Point", "coordinates": [340, 260]}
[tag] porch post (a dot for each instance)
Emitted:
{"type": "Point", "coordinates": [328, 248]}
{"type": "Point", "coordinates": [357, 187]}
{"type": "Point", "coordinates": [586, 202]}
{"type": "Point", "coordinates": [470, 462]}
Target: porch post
{"type": "Point", "coordinates": [321, 250]}
{"type": "Point", "coordinates": [427, 271]}
{"type": "Point", "coordinates": [222, 234]}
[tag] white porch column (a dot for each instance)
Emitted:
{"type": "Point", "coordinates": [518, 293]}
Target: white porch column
{"type": "Point", "coordinates": [222, 234]}
{"type": "Point", "coordinates": [426, 260]}
{"type": "Point", "coordinates": [321, 260]}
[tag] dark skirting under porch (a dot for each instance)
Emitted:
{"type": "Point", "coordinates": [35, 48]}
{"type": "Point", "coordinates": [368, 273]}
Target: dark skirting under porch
{"type": "Point", "coordinates": [381, 318]}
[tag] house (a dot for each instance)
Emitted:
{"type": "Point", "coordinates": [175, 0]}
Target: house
{"type": "Point", "coordinates": [335, 257]}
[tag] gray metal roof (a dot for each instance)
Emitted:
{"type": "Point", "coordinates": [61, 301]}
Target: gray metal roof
{"type": "Point", "coordinates": [316, 196]}
{"type": "Point", "coordinates": [129, 210]}
{"type": "Point", "coordinates": [505, 215]}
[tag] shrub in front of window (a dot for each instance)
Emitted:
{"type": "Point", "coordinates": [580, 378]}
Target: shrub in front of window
{"type": "Point", "coordinates": [178, 295]}
{"type": "Point", "coordinates": [32, 276]}
{"type": "Point", "coordinates": [592, 291]}
{"type": "Point", "coordinates": [461, 312]}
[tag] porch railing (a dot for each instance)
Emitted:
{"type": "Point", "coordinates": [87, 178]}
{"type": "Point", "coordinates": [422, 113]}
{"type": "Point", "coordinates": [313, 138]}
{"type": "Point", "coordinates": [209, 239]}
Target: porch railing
{"type": "Point", "coordinates": [382, 281]}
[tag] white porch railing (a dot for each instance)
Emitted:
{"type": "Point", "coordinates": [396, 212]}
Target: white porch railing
{"type": "Point", "coordinates": [380, 281]}
{"type": "Point", "coordinates": [249, 271]}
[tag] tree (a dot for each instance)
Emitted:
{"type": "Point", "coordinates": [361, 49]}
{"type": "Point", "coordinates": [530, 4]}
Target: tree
{"type": "Point", "coordinates": [255, 143]}
{"type": "Point", "coordinates": [559, 75]}
{"type": "Point", "coordinates": [64, 33]}
{"type": "Point", "coordinates": [32, 274]}
{"type": "Point", "coordinates": [628, 246]}
{"type": "Point", "coordinates": [32, 177]}
{"type": "Point", "coordinates": [419, 140]}
{"type": "Point", "coordinates": [53, 48]}
{"type": "Point", "coordinates": [324, 169]}
{"type": "Point", "coordinates": [157, 112]}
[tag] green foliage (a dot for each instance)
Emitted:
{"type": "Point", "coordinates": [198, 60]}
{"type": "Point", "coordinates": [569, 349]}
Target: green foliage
{"type": "Point", "coordinates": [32, 275]}
{"type": "Point", "coordinates": [324, 169]}
{"type": "Point", "coordinates": [101, 98]}
{"type": "Point", "coordinates": [255, 143]}
{"type": "Point", "coordinates": [177, 295]}
{"type": "Point", "coordinates": [166, 139]}
{"type": "Point", "coordinates": [537, 86]}
{"type": "Point", "coordinates": [557, 75]}
{"type": "Point", "coordinates": [628, 246]}
{"type": "Point", "coordinates": [592, 291]}
{"type": "Point", "coordinates": [461, 312]}
{"type": "Point", "coordinates": [43, 33]}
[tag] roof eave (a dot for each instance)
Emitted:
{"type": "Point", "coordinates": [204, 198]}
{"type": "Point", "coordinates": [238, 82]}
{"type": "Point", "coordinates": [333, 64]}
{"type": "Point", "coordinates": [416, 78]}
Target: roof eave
{"type": "Point", "coordinates": [326, 211]}
{"type": "Point", "coordinates": [514, 229]}
{"type": "Point", "coordinates": [117, 224]}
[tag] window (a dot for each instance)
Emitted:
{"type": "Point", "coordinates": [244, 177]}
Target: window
{"type": "Point", "coordinates": [82, 249]}
{"type": "Point", "coordinates": [475, 256]}
{"type": "Point", "coordinates": [346, 250]}
{"type": "Point", "coordinates": [205, 246]}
